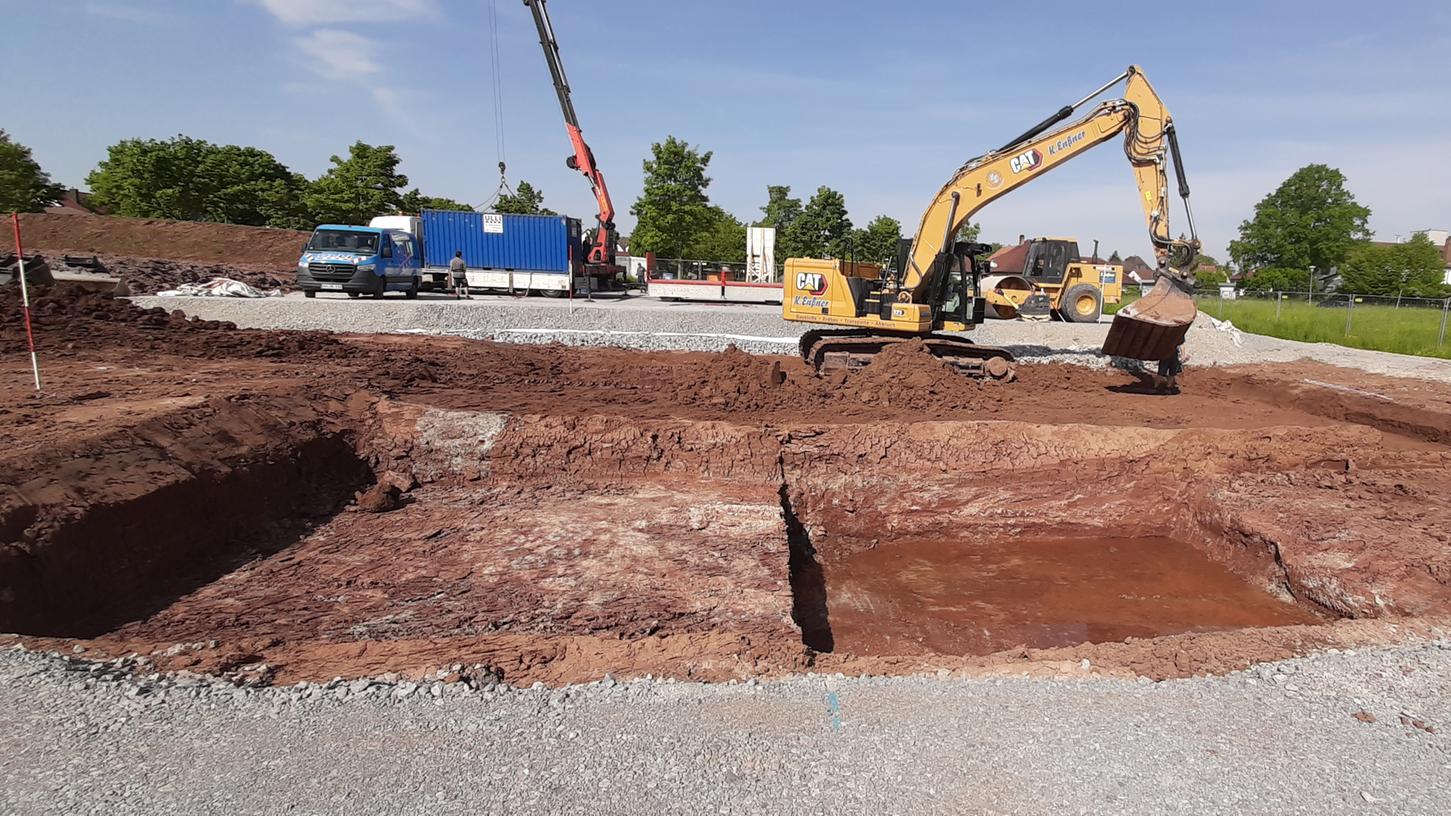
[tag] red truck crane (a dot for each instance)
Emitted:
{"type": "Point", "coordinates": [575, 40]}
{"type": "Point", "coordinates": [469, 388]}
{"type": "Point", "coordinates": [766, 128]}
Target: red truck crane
{"type": "Point", "coordinates": [600, 255]}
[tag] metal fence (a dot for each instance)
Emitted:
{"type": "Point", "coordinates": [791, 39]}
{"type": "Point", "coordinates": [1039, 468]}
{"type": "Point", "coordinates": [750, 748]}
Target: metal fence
{"type": "Point", "coordinates": [1408, 321]}
{"type": "Point", "coordinates": [679, 269]}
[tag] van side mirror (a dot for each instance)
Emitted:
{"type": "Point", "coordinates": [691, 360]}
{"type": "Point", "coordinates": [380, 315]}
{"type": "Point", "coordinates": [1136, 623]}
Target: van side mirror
{"type": "Point", "coordinates": [387, 250]}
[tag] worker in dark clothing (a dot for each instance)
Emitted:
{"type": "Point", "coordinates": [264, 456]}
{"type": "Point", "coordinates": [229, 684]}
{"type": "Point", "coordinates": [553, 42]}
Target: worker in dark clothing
{"type": "Point", "coordinates": [457, 270]}
{"type": "Point", "coordinates": [1169, 370]}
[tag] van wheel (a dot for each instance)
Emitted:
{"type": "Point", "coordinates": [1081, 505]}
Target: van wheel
{"type": "Point", "coordinates": [352, 294]}
{"type": "Point", "coordinates": [309, 293]}
{"type": "Point", "coordinates": [1082, 303]}
{"type": "Point", "coordinates": [381, 290]}
{"type": "Point", "coordinates": [412, 292]}
{"type": "Point", "coordinates": [553, 293]}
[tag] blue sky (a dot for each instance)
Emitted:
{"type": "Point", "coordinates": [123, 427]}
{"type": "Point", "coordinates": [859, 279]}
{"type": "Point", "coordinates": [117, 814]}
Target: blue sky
{"type": "Point", "coordinates": [881, 101]}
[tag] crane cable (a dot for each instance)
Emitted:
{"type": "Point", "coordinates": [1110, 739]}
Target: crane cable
{"type": "Point", "coordinates": [497, 86]}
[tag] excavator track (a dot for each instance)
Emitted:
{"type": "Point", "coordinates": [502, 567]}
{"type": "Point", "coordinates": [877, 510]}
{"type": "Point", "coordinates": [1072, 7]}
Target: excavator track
{"type": "Point", "coordinates": [850, 349]}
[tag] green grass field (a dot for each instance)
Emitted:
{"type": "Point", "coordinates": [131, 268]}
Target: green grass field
{"type": "Point", "coordinates": [1378, 328]}
{"type": "Point", "coordinates": [1130, 295]}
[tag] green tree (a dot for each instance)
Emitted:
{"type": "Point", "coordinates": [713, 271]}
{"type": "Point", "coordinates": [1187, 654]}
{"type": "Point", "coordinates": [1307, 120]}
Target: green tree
{"type": "Point", "coordinates": [365, 184]}
{"type": "Point", "coordinates": [525, 200]}
{"type": "Point", "coordinates": [878, 242]}
{"type": "Point", "coordinates": [1209, 276]}
{"type": "Point", "coordinates": [723, 239]}
{"type": "Point", "coordinates": [673, 207]}
{"type": "Point", "coordinates": [194, 180]}
{"type": "Point", "coordinates": [1278, 279]}
{"type": "Point", "coordinates": [414, 202]}
{"type": "Point", "coordinates": [780, 210]}
{"type": "Point", "coordinates": [24, 187]}
{"type": "Point", "coordinates": [1414, 268]}
{"type": "Point", "coordinates": [823, 229]}
{"type": "Point", "coordinates": [968, 232]}
{"type": "Point", "coordinates": [1310, 220]}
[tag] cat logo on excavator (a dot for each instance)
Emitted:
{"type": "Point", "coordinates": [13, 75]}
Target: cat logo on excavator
{"type": "Point", "coordinates": [812, 283]}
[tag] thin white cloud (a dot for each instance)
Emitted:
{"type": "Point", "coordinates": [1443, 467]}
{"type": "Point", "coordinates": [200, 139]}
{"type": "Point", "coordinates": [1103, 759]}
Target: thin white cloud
{"type": "Point", "coordinates": [334, 12]}
{"type": "Point", "coordinates": [128, 13]}
{"type": "Point", "coordinates": [338, 55]}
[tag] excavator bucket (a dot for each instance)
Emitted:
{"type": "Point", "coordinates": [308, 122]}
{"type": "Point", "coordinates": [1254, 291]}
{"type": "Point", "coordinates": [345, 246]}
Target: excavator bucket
{"type": "Point", "coordinates": [1153, 326]}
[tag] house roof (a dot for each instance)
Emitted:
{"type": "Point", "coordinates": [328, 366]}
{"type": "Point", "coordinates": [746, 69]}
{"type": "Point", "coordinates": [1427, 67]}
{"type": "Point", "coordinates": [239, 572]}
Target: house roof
{"type": "Point", "coordinates": [75, 202]}
{"type": "Point", "coordinates": [1010, 259]}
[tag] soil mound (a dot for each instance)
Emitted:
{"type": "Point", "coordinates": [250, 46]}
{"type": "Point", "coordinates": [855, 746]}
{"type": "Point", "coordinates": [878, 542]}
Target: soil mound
{"type": "Point", "coordinates": [72, 316]}
{"type": "Point", "coordinates": [145, 276]}
{"type": "Point", "coordinates": [733, 380]}
{"type": "Point", "coordinates": [157, 238]}
{"type": "Point", "coordinates": [908, 375]}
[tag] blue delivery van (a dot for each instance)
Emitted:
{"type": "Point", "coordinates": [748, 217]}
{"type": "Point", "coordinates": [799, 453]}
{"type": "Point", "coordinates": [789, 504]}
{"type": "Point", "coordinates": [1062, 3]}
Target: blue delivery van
{"type": "Point", "coordinates": [360, 261]}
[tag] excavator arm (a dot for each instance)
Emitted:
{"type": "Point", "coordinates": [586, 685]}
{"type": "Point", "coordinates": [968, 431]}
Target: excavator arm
{"type": "Point", "coordinates": [1149, 141]}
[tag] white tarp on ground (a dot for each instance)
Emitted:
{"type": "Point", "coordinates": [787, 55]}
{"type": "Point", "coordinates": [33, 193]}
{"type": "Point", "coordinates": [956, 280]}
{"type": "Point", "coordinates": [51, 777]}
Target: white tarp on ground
{"type": "Point", "coordinates": [220, 287]}
{"type": "Point", "coordinates": [1229, 329]}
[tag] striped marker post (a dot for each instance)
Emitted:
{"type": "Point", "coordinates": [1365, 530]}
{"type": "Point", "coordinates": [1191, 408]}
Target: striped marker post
{"type": "Point", "coordinates": [25, 300]}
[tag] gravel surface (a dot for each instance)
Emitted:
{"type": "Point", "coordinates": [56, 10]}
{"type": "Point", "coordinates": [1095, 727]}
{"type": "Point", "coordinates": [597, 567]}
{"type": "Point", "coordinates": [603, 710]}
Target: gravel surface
{"type": "Point", "coordinates": [1361, 732]}
{"type": "Point", "coordinates": [638, 322]}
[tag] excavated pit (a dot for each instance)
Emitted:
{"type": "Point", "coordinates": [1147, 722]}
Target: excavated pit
{"type": "Point", "coordinates": [977, 597]}
{"type": "Point", "coordinates": [88, 570]}
{"type": "Point", "coordinates": [284, 506]}
{"type": "Point", "coordinates": [560, 549]}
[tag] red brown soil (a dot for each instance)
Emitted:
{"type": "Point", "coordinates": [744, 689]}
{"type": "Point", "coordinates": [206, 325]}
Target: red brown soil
{"type": "Point", "coordinates": [565, 512]}
{"type": "Point", "coordinates": [913, 596]}
{"type": "Point", "coordinates": [156, 238]}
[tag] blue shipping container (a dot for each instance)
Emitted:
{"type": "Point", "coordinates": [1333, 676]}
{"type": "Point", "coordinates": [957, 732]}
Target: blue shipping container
{"type": "Point", "coordinates": [523, 243]}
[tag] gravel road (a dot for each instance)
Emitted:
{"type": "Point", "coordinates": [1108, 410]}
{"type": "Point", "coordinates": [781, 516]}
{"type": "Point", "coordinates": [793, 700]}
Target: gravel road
{"type": "Point", "coordinates": [1279, 738]}
{"type": "Point", "coordinates": [639, 322]}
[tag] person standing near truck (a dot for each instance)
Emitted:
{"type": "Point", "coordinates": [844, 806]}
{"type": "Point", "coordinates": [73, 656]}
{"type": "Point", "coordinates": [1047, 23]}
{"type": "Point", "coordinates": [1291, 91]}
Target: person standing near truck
{"type": "Point", "coordinates": [457, 270]}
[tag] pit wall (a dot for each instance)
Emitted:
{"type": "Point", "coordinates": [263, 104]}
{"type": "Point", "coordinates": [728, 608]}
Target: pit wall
{"type": "Point", "coordinates": [107, 527]}
{"type": "Point", "coordinates": [857, 486]}
{"type": "Point", "coordinates": [112, 527]}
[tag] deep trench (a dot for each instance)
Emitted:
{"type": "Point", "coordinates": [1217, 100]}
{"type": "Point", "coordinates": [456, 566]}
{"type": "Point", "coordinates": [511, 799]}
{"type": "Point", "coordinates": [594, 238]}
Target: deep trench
{"type": "Point", "coordinates": [809, 608]}
{"type": "Point", "coordinates": [121, 562]}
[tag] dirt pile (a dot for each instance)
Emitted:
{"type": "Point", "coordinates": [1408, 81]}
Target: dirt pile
{"type": "Point", "coordinates": [733, 380]}
{"type": "Point", "coordinates": [907, 375]}
{"type": "Point", "coordinates": [156, 238]}
{"type": "Point", "coordinates": [69, 317]}
{"type": "Point", "coordinates": [145, 276]}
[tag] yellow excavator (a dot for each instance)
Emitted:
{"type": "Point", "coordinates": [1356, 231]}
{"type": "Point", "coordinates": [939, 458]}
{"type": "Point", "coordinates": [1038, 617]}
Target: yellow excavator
{"type": "Point", "coordinates": [936, 285]}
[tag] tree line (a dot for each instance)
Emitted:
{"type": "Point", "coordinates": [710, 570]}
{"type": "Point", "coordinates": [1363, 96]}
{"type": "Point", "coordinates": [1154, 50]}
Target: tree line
{"type": "Point", "coordinates": [1311, 232]}
{"type": "Point", "coordinates": [1310, 222]}
{"type": "Point", "coordinates": [189, 179]}
{"type": "Point", "coordinates": [676, 219]}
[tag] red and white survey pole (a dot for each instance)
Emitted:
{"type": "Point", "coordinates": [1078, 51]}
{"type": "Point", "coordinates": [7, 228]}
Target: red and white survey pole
{"type": "Point", "coordinates": [25, 300]}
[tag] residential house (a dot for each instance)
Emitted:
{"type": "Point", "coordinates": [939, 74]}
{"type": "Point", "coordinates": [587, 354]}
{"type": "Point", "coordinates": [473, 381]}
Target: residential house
{"type": "Point", "coordinates": [75, 202]}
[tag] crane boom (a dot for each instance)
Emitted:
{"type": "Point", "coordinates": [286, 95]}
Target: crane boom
{"type": "Point", "coordinates": [602, 252]}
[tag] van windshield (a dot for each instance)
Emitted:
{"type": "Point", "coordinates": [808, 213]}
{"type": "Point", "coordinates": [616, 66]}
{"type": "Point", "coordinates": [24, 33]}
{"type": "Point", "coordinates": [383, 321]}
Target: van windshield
{"type": "Point", "coordinates": [344, 241]}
